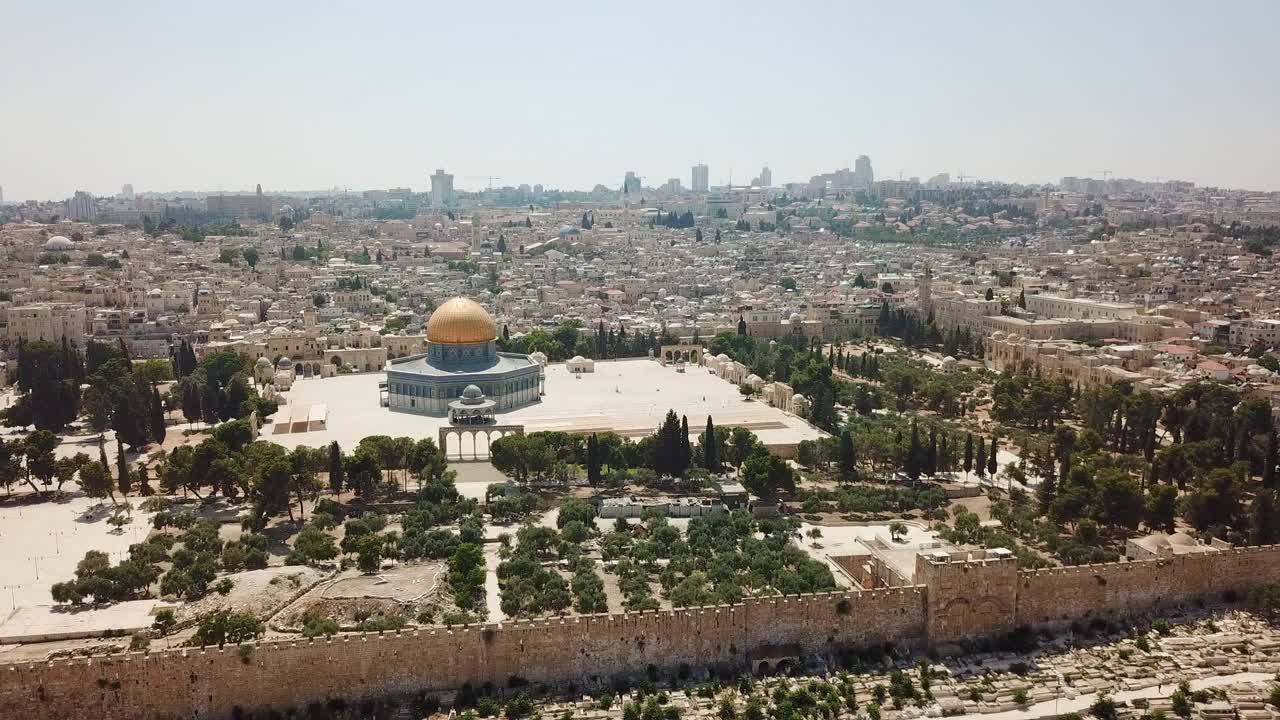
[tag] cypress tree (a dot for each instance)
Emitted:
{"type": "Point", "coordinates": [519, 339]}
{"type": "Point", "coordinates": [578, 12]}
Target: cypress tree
{"type": "Point", "coordinates": [1047, 492]}
{"type": "Point", "coordinates": [594, 474]}
{"type": "Point", "coordinates": [686, 450]}
{"type": "Point", "coordinates": [77, 367]}
{"type": "Point", "coordinates": [1263, 528]}
{"type": "Point", "coordinates": [158, 429]}
{"type": "Point", "coordinates": [106, 466]}
{"type": "Point", "coordinates": [991, 463]}
{"type": "Point", "coordinates": [144, 480]}
{"type": "Point", "coordinates": [190, 401]}
{"type": "Point", "coordinates": [848, 457]}
{"type": "Point", "coordinates": [210, 401]}
{"type": "Point", "coordinates": [1269, 468]}
{"type": "Point", "coordinates": [913, 453]}
{"type": "Point", "coordinates": [711, 449]}
{"type": "Point", "coordinates": [931, 457]}
{"type": "Point", "coordinates": [968, 453]}
{"type": "Point", "coordinates": [667, 446]}
{"type": "Point", "coordinates": [980, 455]}
{"type": "Point", "coordinates": [123, 419]}
{"type": "Point", "coordinates": [335, 468]}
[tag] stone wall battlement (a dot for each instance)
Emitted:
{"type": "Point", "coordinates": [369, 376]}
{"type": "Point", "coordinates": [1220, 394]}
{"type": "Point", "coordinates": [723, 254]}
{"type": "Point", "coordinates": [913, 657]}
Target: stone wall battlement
{"type": "Point", "coordinates": [1251, 549]}
{"type": "Point", "coordinates": [963, 597]}
{"type": "Point", "coordinates": [647, 619]}
{"type": "Point", "coordinates": [975, 562]}
{"type": "Point", "coordinates": [1212, 555]}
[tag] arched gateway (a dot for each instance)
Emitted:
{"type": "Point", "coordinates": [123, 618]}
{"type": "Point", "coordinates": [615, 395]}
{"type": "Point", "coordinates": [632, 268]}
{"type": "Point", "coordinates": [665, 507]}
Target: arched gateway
{"type": "Point", "coordinates": [470, 443]}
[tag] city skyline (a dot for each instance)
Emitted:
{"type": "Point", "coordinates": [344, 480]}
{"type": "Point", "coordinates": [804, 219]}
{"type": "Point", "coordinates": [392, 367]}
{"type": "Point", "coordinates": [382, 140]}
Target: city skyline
{"type": "Point", "coordinates": [1016, 93]}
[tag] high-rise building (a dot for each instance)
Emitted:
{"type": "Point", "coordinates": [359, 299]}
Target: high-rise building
{"type": "Point", "coordinates": [126, 192]}
{"type": "Point", "coordinates": [441, 189]}
{"type": "Point", "coordinates": [1, 194]}
{"type": "Point", "coordinates": [672, 186]}
{"type": "Point", "coordinates": [631, 183]}
{"type": "Point", "coordinates": [863, 177]}
{"type": "Point", "coordinates": [766, 177]}
{"type": "Point", "coordinates": [939, 181]}
{"type": "Point", "coordinates": [701, 178]}
{"type": "Point", "coordinates": [242, 206]}
{"type": "Point", "coordinates": [82, 207]}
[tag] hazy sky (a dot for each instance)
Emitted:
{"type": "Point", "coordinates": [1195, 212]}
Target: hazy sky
{"type": "Point", "coordinates": [309, 95]}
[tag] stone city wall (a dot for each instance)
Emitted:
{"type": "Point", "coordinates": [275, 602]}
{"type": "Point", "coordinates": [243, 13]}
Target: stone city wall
{"type": "Point", "coordinates": [956, 599]}
{"type": "Point", "coordinates": [1059, 596]}
{"type": "Point", "coordinates": [212, 683]}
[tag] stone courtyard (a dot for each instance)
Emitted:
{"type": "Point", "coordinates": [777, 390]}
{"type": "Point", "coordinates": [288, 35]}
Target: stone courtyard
{"type": "Point", "coordinates": [629, 397]}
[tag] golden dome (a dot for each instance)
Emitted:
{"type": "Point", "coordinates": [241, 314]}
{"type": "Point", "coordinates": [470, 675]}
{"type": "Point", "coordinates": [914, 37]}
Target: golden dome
{"type": "Point", "coordinates": [461, 321]}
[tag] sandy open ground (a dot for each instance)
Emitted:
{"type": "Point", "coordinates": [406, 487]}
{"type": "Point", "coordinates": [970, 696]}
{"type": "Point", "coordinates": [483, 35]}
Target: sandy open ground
{"type": "Point", "coordinates": [40, 545]}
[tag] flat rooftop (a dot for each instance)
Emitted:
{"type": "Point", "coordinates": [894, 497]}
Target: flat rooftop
{"type": "Point", "coordinates": [629, 397]}
{"type": "Point", "coordinates": [873, 538]}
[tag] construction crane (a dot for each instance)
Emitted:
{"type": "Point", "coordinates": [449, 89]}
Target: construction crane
{"type": "Point", "coordinates": [489, 178]}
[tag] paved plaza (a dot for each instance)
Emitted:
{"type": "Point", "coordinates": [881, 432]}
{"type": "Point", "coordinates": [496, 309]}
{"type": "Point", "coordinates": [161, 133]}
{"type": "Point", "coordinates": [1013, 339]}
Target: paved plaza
{"type": "Point", "coordinates": [40, 545]}
{"type": "Point", "coordinates": [629, 397]}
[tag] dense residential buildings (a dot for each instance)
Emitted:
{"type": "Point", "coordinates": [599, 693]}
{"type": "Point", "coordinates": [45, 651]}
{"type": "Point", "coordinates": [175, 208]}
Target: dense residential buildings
{"type": "Point", "coordinates": [1049, 269]}
{"type": "Point", "coordinates": [389, 336]}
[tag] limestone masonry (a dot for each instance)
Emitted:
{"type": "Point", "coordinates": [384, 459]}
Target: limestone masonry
{"type": "Point", "coordinates": [957, 598]}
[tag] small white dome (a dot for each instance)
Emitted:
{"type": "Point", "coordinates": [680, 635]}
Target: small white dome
{"type": "Point", "coordinates": [58, 242]}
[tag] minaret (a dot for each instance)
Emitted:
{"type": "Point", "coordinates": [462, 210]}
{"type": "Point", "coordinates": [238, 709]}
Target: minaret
{"type": "Point", "coordinates": [925, 294]}
{"type": "Point", "coordinates": [262, 206]}
{"type": "Point", "coordinates": [475, 236]}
